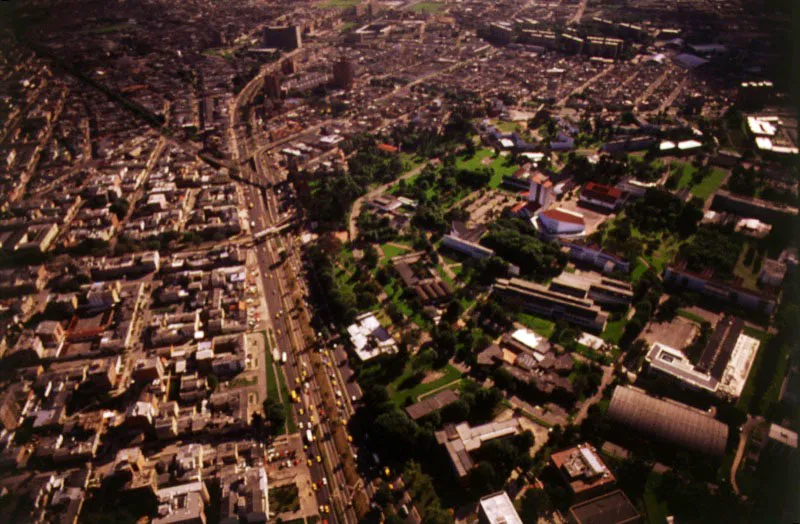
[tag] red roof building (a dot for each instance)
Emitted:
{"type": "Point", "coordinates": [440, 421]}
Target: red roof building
{"type": "Point", "coordinates": [601, 195]}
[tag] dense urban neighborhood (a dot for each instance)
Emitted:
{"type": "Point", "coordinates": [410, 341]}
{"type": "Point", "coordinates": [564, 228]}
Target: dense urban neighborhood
{"type": "Point", "coordinates": [401, 261]}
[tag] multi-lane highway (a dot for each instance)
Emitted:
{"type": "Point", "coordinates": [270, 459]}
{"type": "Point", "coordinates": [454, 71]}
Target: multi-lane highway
{"type": "Point", "coordinates": [323, 396]}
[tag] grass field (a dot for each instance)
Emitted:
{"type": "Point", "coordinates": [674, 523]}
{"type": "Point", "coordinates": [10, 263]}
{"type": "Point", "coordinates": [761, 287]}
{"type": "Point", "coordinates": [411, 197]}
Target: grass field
{"type": "Point", "coordinates": [541, 326]}
{"type": "Point", "coordinates": [709, 184]}
{"type": "Point", "coordinates": [746, 400]}
{"type": "Point", "coordinates": [339, 4]}
{"type": "Point", "coordinates": [390, 251]}
{"type": "Point", "coordinates": [614, 330]}
{"type": "Point", "coordinates": [664, 253]}
{"type": "Point", "coordinates": [655, 509]}
{"type": "Point", "coordinates": [506, 127]}
{"type": "Point", "coordinates": [276, 382]}
{"type": "Point", "coordinates": [428, 7]}
{"type": "Point", "coordinates": [747, 273]}
{"type": "Point", "coordinates": [451, 374]}
{"type": "Point", "coordinates": [638, 270]}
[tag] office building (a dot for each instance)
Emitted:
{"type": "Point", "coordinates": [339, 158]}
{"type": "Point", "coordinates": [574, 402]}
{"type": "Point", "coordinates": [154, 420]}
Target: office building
{"type": "Point", "coordinates": [286, 38]}
{"type": "Point", "coordinates": [344, 73]}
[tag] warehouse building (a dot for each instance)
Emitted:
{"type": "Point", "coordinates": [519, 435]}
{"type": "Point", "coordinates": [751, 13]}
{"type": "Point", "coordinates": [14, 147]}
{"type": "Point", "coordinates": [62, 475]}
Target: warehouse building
{"type": "Point", "coordinates": [669, 421]}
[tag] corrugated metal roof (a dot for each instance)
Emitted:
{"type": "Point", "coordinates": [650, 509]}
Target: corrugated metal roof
{"type": "Point", "coordinates": [673, 422]}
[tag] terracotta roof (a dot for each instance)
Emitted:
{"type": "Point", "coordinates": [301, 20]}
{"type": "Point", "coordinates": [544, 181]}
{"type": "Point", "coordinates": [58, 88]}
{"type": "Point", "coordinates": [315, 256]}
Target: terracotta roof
{"type": "Point", "coordinates": [388, 148]}
{"type": "Point", "coordinates": [601, 192]}
{"type": "Point", "coordinates": [562, 216]}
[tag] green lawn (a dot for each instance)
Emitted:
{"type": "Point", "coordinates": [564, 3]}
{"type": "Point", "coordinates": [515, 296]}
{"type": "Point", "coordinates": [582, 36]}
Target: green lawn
{"type": "Point", "coordinates": [275, 381]}
{"type": "Point", "coordinates": [394, 290]}
{"type": "Point", "coordinates": [444, 276]}
{"type": "Point", "coordinates": [339, 4]}
{"type": "Point", "coordinates": [474, 162]}
{"type": "Point", "coordinates": [709, 184]}
{"type": "Point", "coordinates": [655, 508]}
{"type": "Point", "coordinates": [541, 326]}
{"type": "Point", "coordinates": [104, 30]}
{"type": "Point", "coordinates": [500, 166]}
{"type": "Point", "coordinates": [747, 274]}
{"type": "Point", "coordinates": [687, 171]}
{"type": "Point", "coordinates": [505, 127]}
{"type": "Point", "coordinates": [614, 330]}
{"type": "Point", "coordinates": [428, 7]}
{"type": "Point", "coordinates": [501, 169]}
{"type": "Point", "coordinates": [639, 269]}
{"type": "Point", "coordinates": [272, 381]}
{"type": "Point", "coordinates": [451, 374]}
{"type": "Point", "coordinates": [390, 251]}
{"type": "Point", "coordinates": [746, 400]}
{"type": "Point", "coordinates": [664, 253]}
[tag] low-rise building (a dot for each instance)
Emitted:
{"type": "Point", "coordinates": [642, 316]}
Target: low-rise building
{"type": "Point", "coordinates": [600, 195]}
{"type": "Point", "coordinates": [466, 240]}
{"type": "Point", "coordinates": [369, 338]}
{"type": "Point", "coordinates": [584, 471]}
{"type": "Point", "coordinates": [498, 508]}
{"type": "Point", "coordinates": [559, 223]}
{"type": "Point", "coordinates": [461, 440]}
{"type": "Point", "coordinates": [723, 367]}
{"type": "Point", "coordinates": [183, 504]}
{"type": "Point", "coordinates": [551, 303]}
{"type": "Point", "coordinates": [610, 508]}
{"type": "Point", "coordinates": [764, 300]}
{"type": "Point", "coordinates": [244, 497]}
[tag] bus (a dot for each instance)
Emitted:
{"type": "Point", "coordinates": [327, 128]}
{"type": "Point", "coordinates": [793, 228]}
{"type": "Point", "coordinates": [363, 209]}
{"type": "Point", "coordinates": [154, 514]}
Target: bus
{"type": "Point", "coordinates": [309, 436]}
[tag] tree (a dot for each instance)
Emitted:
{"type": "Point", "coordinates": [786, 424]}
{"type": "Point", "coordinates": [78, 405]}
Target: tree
{"type": "Point", "coordinates": [274, 414]}
{"type": "Point", "coordinates": [535, 504]}
{"type": "Point", "coordinates": [481, 479]}
{"type": "Point", "coordinates": [452, 313]}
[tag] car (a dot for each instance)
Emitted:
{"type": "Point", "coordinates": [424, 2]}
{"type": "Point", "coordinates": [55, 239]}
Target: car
{"type": "Point", "coordinates": [302, 411]}
{"type": "Point", "coordinates": [251, 205]}
{"type": "Point", "coordinates": [310, 463]}
{"type": "Point", "coordinates": [319, 482]}
{"type": "Point", "coordinates": [319, 459]}
{"type": "Point", "coordinates": [349, 438]}
{"type": "Point", "coordinates": [322, 509]}
{"type": "Point", "coordinates": [324, 481]}
{"type": "Point", "coordinates": [327, 509]}
{"type": "Point", "coordinates": [313, 486]}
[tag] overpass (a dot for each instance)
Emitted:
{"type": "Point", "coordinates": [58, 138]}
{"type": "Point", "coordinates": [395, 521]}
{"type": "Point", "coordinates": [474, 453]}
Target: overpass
{"type": "Point", "coordinates": [278, 228]}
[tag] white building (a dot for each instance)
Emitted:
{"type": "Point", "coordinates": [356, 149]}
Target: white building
{"type": "Point", "coordinates": [553, 223]}
{"type": "Point", "coordinates": [369, 338]}
{"type": "Point", "coordinates": [498, 508]}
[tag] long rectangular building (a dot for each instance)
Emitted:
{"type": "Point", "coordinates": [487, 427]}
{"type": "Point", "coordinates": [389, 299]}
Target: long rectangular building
{"type": "Point", "coordinates": [668, 421]}
{"type": "Point", "coordinates": [551, 303]}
